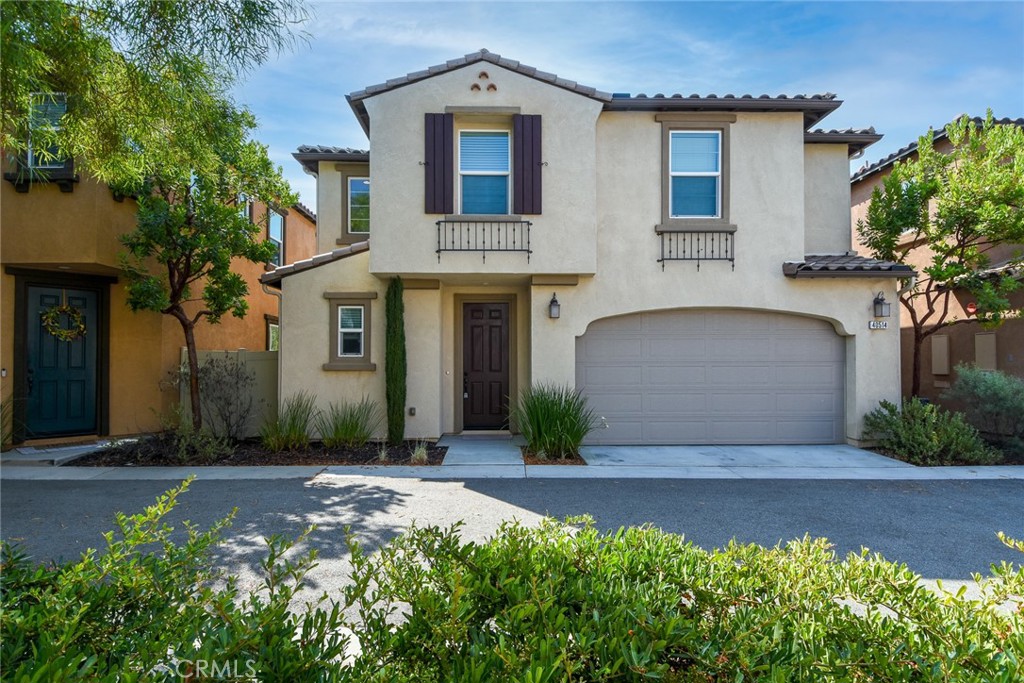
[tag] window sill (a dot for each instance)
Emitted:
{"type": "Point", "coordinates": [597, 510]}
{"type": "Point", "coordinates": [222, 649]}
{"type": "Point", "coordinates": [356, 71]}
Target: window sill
{"type": "Point", "coordinates": [483, 218]}
{"type": "Point", "coordinates": [694, 225]}
{"type": "Point", "coordinates": [360, 366]}
{"type": "Point", "coordinates": [352, 238]}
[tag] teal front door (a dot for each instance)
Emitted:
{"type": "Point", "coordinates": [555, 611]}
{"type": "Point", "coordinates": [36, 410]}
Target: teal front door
{"type": "Point", "coordinates": [61, 375]}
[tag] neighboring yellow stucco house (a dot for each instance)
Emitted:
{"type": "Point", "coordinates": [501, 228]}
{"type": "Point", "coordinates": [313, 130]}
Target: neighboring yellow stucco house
{"type": "Point", "coordinates": [59, 245]}
{"type": "Point", "coordinates": [697, 248]}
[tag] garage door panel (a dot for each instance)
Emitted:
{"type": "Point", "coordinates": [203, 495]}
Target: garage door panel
{"type": "Point", "coordinates": [616, 348]}
{"type": "Point", "coordinates": [806, 404]}
{"type": "Point", "coordinates": [675, 375]}
{"type": "Point", "coordinates": [714, 377]}
{"type": "Point", "coordinates": [681, 348]}
{"type": "Point", "coordinates": [675, 404]}
{"type": "Point", "coordinates": [823, 431]}
{"type": "Point", "coordinates": [741, 376]}
{"type": "Point", "coordinates": [802, 349]}
{"type": "Point", "coordinates": [805, 375]}
{"type": "Point", "coordinates": [750, 348]}
{"type": "Point", "coordinates": [613, 376]}
{"type": "Point", "coordinates": [737, 403]}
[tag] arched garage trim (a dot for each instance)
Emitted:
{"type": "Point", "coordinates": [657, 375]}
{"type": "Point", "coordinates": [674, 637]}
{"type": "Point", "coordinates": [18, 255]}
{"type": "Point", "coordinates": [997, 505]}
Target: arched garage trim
{"type": "Point", "coordinates": [714, 376]}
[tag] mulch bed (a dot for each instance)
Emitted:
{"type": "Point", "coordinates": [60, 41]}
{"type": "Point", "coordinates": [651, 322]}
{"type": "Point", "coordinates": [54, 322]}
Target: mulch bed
{"type": "Point", "coordinates": [156, 452]}
{"type": "Point", "coordinates": [532, 459]}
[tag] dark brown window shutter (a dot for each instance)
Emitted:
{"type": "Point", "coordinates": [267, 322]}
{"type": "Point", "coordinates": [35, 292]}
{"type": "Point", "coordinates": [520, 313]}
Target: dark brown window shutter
{"type": "Point", "coordinates": [526, 164]}
{"type": "Point", "coordinates": [439, 157]}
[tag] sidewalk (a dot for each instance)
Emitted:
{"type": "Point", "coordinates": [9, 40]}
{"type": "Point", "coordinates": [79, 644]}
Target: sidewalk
{"type": "Point", "coordinates": [498, 457]}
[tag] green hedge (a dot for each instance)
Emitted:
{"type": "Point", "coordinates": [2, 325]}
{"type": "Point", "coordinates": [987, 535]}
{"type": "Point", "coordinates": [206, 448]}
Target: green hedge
{"type": "Point", "coordinates": [554, 603]}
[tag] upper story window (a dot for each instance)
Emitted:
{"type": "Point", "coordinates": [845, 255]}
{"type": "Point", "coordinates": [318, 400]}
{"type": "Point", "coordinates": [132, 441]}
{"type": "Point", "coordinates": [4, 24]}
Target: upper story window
{"type": "Point", "coordinates": [696, 174]}
{"type": "Point", "coordinates": [484, 172]}
{"type": "Point", "coordinates": [695, 171]}
{"type": "Point", "coordinates": [359, 205]}
{"type": "Point", "coordinates": [44, 121]}
{"type": "Point", "coordinates": [275, 233]}
{"type": "Point", "coordinates": [244, 206]}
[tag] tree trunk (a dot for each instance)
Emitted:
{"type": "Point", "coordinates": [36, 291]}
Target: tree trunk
{"type": "Point", "coordinates": [193, 371]}
{"type": "Point", "coordinates": [915, 381]}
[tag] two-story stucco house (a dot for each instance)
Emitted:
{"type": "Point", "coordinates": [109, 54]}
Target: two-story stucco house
{"type": "Point", "coordinates": [683, 261]}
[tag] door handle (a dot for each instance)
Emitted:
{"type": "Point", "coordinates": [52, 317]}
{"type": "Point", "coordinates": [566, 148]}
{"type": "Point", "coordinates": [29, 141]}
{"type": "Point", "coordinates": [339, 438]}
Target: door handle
{"type": "Point", "coordinates": [30, 373]}
{"type": "Point", "coordinates": [465, 385]}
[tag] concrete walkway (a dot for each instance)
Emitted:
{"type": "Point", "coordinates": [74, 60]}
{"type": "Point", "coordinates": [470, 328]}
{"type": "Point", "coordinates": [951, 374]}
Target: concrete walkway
{"type": "Point", "coordinates": [497, 456]}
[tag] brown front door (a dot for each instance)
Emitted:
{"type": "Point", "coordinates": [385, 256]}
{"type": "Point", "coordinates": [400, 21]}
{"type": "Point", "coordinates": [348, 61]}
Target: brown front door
{"type": "Point", "coordinates": [485, 365]}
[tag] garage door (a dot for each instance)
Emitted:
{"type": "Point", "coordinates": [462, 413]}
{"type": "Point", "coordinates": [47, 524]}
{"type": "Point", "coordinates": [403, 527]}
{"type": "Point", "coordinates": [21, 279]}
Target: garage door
{"type": "Point", "coordinates": [713, 377]}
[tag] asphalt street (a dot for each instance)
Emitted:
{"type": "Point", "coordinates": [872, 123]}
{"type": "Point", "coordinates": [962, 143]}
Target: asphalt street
{"type": "Point", "coordinates": [941, 529]}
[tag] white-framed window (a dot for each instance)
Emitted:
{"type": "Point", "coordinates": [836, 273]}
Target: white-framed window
{"type": "Point", "coordinates": [273, 333]}
{"type": "Point", "coordinates": [47, 110]}
{"type": "Point", "coordinates": [244, 206]}
{"type": "Point", "coordinates": [275, 233]}
{"type": "Point", "coordinates": [695, 174]}
{"type": "Point", "coordinates": [485, 162]}
{"type": "Point", "coordinates": [350, 332]}
{"type": "Point", "coordinates": [359, 205]}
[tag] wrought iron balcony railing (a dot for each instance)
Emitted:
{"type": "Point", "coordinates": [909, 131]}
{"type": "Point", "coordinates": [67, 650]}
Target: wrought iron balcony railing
{"type": "Point", "coordinates": [483, 236]}
{"type": "Point", "coordinates": [697, 246]}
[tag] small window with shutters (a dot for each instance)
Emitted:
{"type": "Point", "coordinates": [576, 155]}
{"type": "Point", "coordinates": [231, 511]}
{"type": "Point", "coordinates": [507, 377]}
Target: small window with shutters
{"type": "Point", "coordinates": [483, 172]}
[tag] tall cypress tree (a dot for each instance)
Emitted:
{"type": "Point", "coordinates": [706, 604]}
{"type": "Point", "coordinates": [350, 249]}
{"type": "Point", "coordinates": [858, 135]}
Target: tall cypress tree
{"type": "Point", "coordinates": [394, 361]}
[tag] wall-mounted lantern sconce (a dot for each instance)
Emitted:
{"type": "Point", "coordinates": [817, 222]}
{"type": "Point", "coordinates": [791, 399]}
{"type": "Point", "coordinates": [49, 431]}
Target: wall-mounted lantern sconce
{"type": "Point", "coordinates": [881, 306]}
{"type": "Point", "coordinates": [554, 308]}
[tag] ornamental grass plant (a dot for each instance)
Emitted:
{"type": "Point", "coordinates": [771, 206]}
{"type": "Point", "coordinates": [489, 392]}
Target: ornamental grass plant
{"type": "Point", "coordinates": [290, 431]}
{"type": "Point", "coordinates": [349, 424]}
{"type": "Point", "coordinates": [554, 420]}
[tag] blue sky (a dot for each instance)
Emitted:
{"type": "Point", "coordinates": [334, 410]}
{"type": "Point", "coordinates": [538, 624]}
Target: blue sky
{"type": "Point", "coordinates": [899, 66]}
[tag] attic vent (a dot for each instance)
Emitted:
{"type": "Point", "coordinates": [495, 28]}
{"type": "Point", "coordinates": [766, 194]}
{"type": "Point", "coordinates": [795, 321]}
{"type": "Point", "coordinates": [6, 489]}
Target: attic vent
{"type": "Point", "coordinates": [492, 88]}
{"type": "Point", "coordinates": [483, 75]}
{"type": "Point", "coordinates": [475, 87]}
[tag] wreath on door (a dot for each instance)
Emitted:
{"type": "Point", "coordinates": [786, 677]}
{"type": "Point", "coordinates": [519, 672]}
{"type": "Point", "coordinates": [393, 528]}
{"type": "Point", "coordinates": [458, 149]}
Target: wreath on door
{"type": "Point", "coordinates": [53, 324]}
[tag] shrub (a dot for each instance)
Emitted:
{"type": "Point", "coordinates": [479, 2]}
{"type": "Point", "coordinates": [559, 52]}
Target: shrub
{"type": "Point", "coordinates": [419, 454]}
{"type": "Point", "coordinates": [993, 402]}
{"type": "Point", "coordinates": [550, 603]}
{"type": "Point", "coordinates": [349, 424]}
{"type": "Point", "coordinates": [554, 420]}
{"type": "Point", "coordinates": [183, 443]}
{"type": "Point", "coordinates": [394, 361]}
{"type": "Point", "coordinates": [926, 434]}
{"type": "Point", "coordinates": [559, 604]}
{"type": "Point", "coordinates": [227, 389]}
{"type": "Point", "coordinates": [290, 431]}
{"type": "Point", "coordinates": [129, 612]}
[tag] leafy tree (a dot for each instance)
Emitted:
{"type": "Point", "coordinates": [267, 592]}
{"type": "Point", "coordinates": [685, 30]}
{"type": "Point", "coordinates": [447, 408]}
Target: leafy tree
{"type": "Point", "coordinates": [124, 67]}
{"type": "Point", "coordinates": [959, 205]}
{"type": "Point", "coordinates": [190, 230]}
{"type": "Point", "coordinates": [146, 85]}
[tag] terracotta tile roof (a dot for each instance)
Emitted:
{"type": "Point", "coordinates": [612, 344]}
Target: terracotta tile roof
{"type": "Point", "coordinates": [273, 278]}
{"type": "Point", "coordinates": [844, 265]}
{"type": "Point", "coordinates": [305, 211]}
{"type": "Point", "coordinates": [857, 139]}
{"type": "Point", "coordinates": [311, 155]}
{"type": "Point", "coordinates": [481, 55]}
{"type": "Point", "coordinates": [814, 107]}
{"type": "Point", "coordinates": [902, 153]}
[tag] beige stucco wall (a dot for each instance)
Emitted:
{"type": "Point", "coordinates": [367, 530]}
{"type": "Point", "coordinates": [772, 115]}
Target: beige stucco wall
{"type": "Point", "coordinates": [331, 200]}
{"type": "Point", "coordinates": [405, 238]}
{"type": "Point", "coordinates": [826, 199]}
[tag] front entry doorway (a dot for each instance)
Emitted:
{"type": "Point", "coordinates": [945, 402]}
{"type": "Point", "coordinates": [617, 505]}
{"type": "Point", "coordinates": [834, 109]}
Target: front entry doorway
{"type": "Point", "coordinates": [485, 365]}
{"type": "Point", "coordinates": [61, 361]}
